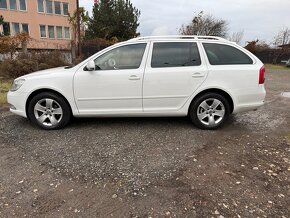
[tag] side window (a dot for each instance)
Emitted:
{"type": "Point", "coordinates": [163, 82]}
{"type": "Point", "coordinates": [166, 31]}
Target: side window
{"type": "Point", "coordinates": [125, 57]}
{"type": "Point", "coordinates": [175, 54]}
{"type": "Point", "coordinates": [219, 54]}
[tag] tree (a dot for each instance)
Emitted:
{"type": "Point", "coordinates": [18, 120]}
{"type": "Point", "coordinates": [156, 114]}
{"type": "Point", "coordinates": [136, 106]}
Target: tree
{"type": "Point", "coordinates": [73, 20]}
{"type": "Point", "coordinates": [283, 37]}
{"type": "Point", "coordinates": [237, 37]}
{"type": "Point", "coordinates": [10, 44]}
{"type": "Point", "coordinates": [113, 18]}
{"type": "Point", "coordinates": [84, 18]}
{"type": "Point", "coordinates": [205, 24]}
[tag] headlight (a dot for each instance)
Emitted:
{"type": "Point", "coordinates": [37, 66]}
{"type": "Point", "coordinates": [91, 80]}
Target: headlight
{"type": "Point", "coordinates": [17, 84]}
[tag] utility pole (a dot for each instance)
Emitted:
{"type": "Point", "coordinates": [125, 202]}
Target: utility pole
{"type": "Point", "coordinates": [78, 29]}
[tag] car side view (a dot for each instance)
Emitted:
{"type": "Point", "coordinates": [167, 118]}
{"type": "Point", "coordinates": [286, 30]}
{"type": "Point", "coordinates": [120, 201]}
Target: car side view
{"type": "Point", "coordinates": [204, 77]}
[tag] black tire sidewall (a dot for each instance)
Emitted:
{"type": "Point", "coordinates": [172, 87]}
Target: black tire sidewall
{"type": "Point", "coordinates": [195, 104]}
{"type": "Point", "coordinates": [60, 100]}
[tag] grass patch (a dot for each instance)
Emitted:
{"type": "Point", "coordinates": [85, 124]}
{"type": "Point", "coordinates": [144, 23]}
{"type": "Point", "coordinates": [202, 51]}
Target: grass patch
{"type": "Point", "coordinates": [276, 67]}
{"type": "Point", "coordinates": [4, 88]}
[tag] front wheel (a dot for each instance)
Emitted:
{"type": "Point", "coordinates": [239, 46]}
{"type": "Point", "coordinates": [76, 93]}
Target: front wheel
{"type": "Point", "coordinates": [209, 111]}
{"type": "Point", "coordinates": [49, 111]}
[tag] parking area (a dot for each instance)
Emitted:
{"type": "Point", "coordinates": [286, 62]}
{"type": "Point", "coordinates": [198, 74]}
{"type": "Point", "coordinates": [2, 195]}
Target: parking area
{"type": "Point", "coordinates": [151, 167]}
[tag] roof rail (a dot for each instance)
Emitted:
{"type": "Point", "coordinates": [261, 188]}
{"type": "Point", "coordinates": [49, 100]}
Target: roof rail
{"type": "Point", "coordinates": [178, 37]}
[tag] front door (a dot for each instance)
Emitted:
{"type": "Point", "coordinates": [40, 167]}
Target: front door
{"type": "Point", "coordinates": [115, 86]}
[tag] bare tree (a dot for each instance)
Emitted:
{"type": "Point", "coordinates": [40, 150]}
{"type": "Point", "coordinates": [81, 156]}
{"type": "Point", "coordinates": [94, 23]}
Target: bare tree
{"type": "Point", "coordinates": [205, 24]}
{"type": "Point", "coordinates": [237, 37]}
{"type": "Point", "coordinates": [283, 37]}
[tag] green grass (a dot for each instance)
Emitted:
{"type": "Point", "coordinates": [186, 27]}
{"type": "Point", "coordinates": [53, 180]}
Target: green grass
{"type": "Point", "coordinates": [4, 87]}
{"type": "Point", "coordinates": [276, 67]}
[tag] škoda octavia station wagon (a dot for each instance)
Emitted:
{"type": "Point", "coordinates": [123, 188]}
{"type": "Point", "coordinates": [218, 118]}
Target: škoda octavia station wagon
{"type": "Point", "coordinates": [207, 78]}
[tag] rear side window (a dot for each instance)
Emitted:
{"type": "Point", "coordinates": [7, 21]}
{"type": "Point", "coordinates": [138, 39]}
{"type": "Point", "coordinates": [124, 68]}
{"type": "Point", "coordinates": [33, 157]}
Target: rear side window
{"type": "Point", "coordinates": [175, 54]}
{"type": "Point", "coordinates": [219, 54]}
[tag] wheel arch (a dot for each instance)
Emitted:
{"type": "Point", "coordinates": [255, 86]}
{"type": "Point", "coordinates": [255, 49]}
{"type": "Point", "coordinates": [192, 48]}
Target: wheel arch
{"type": "Point", "coordinates": [38, 91]}
{"type": "Point", "coordinates": [218, 91]}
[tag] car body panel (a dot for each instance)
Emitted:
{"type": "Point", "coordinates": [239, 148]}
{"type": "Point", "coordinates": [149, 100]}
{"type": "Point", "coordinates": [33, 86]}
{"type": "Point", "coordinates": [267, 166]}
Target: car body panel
{"type": "Point", "coordinates": [157, 92]}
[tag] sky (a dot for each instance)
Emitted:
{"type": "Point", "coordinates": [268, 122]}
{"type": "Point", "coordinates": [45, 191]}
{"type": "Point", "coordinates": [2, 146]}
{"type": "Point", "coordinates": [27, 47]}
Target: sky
{"type": "Point", "coordinates": [259, 19]}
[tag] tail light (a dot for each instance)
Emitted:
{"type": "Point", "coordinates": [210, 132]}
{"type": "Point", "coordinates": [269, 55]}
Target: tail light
{"type": "Point", "coordinates": [262, 75]}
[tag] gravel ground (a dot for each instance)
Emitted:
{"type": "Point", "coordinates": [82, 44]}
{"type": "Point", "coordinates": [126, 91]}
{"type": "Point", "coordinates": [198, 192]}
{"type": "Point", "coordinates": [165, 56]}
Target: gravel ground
{"type": "Point", "coordinates": [150, 167]}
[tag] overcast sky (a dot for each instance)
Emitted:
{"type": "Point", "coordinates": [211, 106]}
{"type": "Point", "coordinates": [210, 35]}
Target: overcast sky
{"type": "Point", "coordinates": [260, 19]}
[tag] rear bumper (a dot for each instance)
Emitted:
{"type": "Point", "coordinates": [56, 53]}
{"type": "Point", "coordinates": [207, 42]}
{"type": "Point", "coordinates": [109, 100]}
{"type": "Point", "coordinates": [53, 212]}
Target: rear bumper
{"type": "Point", "coordinates": [249, 100]}
{"type": "Point", "coordinates": [17, 102]}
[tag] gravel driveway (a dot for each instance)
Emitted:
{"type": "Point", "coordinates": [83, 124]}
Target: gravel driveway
{"type": "Point", "coordinates": [150, 167]}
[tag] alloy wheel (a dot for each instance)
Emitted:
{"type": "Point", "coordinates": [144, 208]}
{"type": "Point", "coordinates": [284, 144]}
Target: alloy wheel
{"type": "Point", "coordinates": [211, 112]}
{"type": "Point", "coordinates": [48, 112]}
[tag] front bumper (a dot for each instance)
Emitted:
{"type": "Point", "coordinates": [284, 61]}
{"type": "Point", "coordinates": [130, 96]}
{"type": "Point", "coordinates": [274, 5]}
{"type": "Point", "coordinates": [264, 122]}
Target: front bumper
{"type": "Point", "coordinates": [17, 102]}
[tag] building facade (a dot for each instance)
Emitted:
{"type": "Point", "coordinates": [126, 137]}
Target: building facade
{"type": "Point", "coordinates": [46, 21]}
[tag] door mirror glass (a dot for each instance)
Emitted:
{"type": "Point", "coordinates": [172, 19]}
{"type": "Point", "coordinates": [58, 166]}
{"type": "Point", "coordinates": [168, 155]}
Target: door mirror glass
{"type": "Point", "coordinates": [90, 65]}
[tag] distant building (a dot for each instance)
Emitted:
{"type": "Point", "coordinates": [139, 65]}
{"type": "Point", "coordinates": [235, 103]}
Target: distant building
{"type": "Point", "coordinates": [46, 21]}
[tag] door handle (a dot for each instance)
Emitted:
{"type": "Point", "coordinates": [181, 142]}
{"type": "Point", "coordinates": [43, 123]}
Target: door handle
{"type": "Point", "coordinates": [134, 77]}
{"type": "Point", "coordinates": [197, 75]}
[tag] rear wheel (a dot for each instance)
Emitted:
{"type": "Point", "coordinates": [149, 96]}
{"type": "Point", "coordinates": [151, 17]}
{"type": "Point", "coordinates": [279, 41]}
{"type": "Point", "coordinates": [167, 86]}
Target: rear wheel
{"type": "Point", "coordinates": [49, 111]}
{"type": "Point", "coordinates": [209, 111]}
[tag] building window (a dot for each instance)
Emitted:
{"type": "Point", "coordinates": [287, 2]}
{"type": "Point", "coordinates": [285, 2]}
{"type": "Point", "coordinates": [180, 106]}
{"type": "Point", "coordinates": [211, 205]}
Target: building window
{"type": "Point", "coordinates": [6, 29]}
{"type": "Point", "coordinates": [40, 6]}
{"type": "Point", "coordinates": [42, 31]}
{"type": "Point", "coordinates": [57, 9]}
{"type": "Point", "coordinates": [49, 7]}
{"type": "Point", "coordinates": [22, 5]}
{"type": "Point", "coordinates": [25, 28]}
{"type": "Point", "coordinates": [65, 8]}
{"type": "Point", "coordinates": [51, 32]}
{"type": "Point", "coordinates": [59, 32]}
{"type": "Point", "coordinates": [3, 4]}
{"type": "Point", "coordinates": [67, 33]}
{"type": "Point", "coordinates": [16, 28]}
{"type": "Point", "coordinates": [13, 5]}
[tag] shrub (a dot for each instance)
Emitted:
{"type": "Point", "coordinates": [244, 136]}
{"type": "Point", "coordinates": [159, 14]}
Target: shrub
{"type": "Point", "coordinates": [24, 64]}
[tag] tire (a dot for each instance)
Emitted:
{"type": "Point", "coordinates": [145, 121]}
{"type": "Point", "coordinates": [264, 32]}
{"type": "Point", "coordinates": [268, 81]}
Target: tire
{"type": "Point", "coordinates": [49, 111]}
{"type": "Point", "coordinates": [209, 111]}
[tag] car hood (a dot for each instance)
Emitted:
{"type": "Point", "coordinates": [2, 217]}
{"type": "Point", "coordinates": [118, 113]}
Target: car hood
{"type": "Point", "coordinates": [44, 72]}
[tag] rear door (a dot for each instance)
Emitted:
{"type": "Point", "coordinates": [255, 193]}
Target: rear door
{"type": "Point", "coordinates": [174, 70]}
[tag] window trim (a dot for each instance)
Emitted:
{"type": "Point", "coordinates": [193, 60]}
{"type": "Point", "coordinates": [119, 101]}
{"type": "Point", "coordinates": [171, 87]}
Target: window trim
{"type": "Point", "coordinates": [66, 15]}
{"type": "Point", "coordinates": [44, 7]}
{"type": "Point", "coordinates": [53, 31]}
{"type": "Point", "coordinates": [47, 7]}
{"type": "Point", "coordinates": [2, 28]}
{"type": "Point", "coordinates": [7, 5]}
{"type": "Point", "coordinates": [60, 5]}
{"type": "Point", "coordinates": [231, 45]}
{"type": "Point", "coordinates": [69, 33]}
{"type": "Point", "coordinates": [25, 6]}
{"type": "Point", "coordinates": [13, 28]}
{"type": "Point", "coordinates": [43, 37]}
{"type": "Point", "coordinates": [27, 27]}
{"type": "Point", "coordinates": [16, 6]}
{"type": "Point", "coordinates": [57, 32]}
{"type": "Point", "coordinates": [175, 41]}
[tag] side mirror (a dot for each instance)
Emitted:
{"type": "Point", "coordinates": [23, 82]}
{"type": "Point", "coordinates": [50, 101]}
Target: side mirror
{"type": "Point", "coordinates": [91, 66]}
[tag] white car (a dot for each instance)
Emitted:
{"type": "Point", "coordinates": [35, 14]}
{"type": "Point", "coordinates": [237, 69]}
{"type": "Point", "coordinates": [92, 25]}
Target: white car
{"type": "Point", "coordinates": [205, 77]}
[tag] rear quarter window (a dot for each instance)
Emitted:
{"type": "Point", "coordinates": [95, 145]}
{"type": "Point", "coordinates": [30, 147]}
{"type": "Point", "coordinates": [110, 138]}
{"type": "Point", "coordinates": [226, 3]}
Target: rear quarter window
{"type": "Point", "coordinates": [219, 54]}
